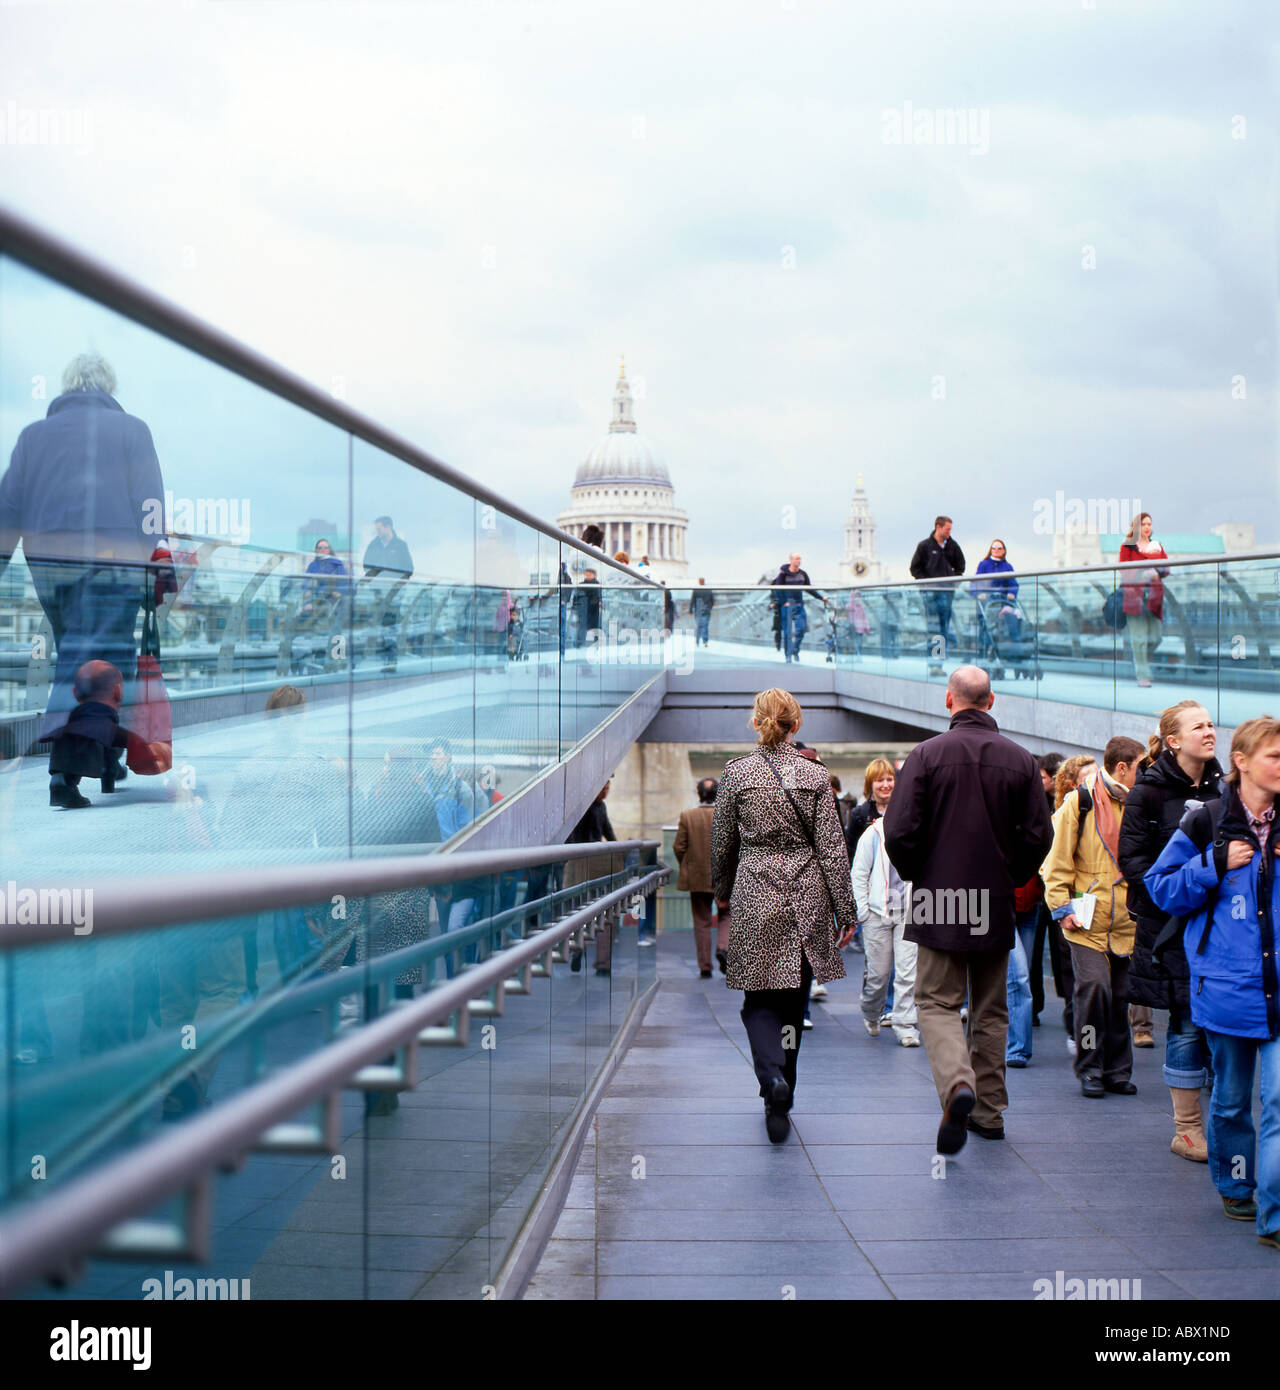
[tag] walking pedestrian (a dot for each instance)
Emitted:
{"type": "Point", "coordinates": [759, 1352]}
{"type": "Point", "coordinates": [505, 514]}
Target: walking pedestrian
{"type": "Point", "coordinates": [883, 900]}
{"type": "Point", "coordinates": [1179, 770]}
{"type": "Point", "coordinates": [1085, 891]}
{"type": "Point", "coordinates": [966, 824]}
{"type": "Point", "coordinates": [692, 849]}
{"type": "Point", "coordinates": [84, 494]}
{"type": "Point", "coordinates": [938, 556]}
{"type": "Point", "coordinates": [701, 602]}
{"type": "Point", "coordinates": [877, 788]}
{"type": "Point", "coordinates": [790, 586]}
{"type": "Point", "coordinates": [592, 828]}
{"type": "Point", "coordinates": [776, 856]}
{"type": "Point", "coordinates": [388, 562]}
{"type": "Point", "coordinates": [1143, 594]}
{"type": "Point", "coordinates": [1219, 871]}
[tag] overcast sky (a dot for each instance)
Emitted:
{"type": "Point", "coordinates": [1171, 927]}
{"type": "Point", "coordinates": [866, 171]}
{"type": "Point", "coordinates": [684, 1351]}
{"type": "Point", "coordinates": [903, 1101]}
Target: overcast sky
{"type": "Point", "coordinates": [462, 214]}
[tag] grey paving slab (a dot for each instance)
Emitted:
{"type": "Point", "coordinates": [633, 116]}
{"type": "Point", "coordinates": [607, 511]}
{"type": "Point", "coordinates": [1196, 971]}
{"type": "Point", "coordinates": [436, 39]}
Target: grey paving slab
{"type": "Point", "coordinates": [1204, 1251]}
{"type": "Point", "coordinates": [716, 1224]}
{"type": "Point", "coordinates": [562, 1288]}
{"type": "Point", "coordinates": [964, 1222]}
{"type": "Point", "coordinates": [668, 1160]}
{"type": "Point", "coordinates": [787, 1260]}
{"type": "Point", "coordinates": [741, 1288]}
{"type": "Point", "coordinates": [1226, 1283]}
{"type": "Point", "coordinates": [1007, 1255]}
{"type": "Point", "coordinates": [783, 1192]}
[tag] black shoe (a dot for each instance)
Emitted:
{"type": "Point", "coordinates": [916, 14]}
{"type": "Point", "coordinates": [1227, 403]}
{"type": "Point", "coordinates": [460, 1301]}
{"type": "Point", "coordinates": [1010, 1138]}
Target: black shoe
{"type": "Point", "coordinates": [984, 1131]}
{"type": "Point", "coordinates": [704, 974]}
{"type": "Point", "coordinates": [575, 960]}
{"type": "Point", "coordinates": [777, 1123]}
{"type": "Point", "coordinates": [722, 960]}
{"type": "Point", "coordinates": [778, 1094]}
{"type": "Point", "coordinates": [1093, 1088]}
{"type": "Point", "coordinates": [1120, 1088]}
{"type": "Point", "coordinates": [67, 796]}
{"type": "Point", "coordinates": [951, 1132]}
{"type": "Point", "coordinates": [603, 970]}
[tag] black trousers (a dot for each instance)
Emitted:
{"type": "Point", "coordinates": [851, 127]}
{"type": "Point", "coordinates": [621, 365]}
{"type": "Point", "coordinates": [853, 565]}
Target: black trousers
{"type": "Point", "coordinates": [774, 1020]}
{"type": "Point", "coordinates": [1104, 1048]}
{"type": "Point", "coordinates": [1063, 975]}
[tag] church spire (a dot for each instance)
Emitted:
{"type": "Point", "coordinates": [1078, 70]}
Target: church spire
{"type": "Point", "coordinates": [623, 422]}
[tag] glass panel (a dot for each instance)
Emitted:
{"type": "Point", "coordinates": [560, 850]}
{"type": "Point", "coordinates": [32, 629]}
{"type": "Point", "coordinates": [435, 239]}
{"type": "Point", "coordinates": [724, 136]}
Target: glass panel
{"type": "Point", "coordinates": [414, 654]}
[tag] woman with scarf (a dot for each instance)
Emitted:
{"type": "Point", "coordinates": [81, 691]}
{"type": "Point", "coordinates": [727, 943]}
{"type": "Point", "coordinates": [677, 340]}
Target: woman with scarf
{"type": "Point", "coordinates": [1085, 891]}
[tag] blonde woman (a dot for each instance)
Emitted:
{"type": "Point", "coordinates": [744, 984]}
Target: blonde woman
{"type": "Point", "coordinates": [1180, 768]}
{"type": "Point", "coordinates": [778, 858]}
{"type": "Point", "coordinates": [1221, 874]}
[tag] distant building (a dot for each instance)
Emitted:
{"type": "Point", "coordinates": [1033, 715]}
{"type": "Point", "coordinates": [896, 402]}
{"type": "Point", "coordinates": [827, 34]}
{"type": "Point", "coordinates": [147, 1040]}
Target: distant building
{"type": "Point", "coordinates": [859, 564]}
{"type": "Point", "coordinates": [624, 488]}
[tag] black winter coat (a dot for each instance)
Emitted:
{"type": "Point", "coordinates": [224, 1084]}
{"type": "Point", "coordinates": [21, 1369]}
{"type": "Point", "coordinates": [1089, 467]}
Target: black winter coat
{"type": "Point", "coordinates": [933, 561]}
{"type": "Point", "coordinates": [1152, 811]}
{"type": "Point", "coordinates": [968, 813]}
{"type": "Point", "coordinates": [860, 819]}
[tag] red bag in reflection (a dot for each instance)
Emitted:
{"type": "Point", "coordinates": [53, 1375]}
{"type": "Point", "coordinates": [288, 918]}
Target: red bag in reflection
{"type": "Point", "coordinates": [150, 749]}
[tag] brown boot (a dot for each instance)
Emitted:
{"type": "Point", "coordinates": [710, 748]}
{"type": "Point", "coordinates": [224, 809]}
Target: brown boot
{"type": "Point", "coordinates": [1188, 1132]}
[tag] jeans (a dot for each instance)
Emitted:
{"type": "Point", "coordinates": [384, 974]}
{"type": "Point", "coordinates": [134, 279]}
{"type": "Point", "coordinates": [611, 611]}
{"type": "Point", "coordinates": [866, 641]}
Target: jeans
{"type": "Point", "coordinates": [703, 628]}
{"type": "Point", "coordinates": [1186, 1054]}
{"type": "Point", "coordinates": [794, 627]}
{"type": "Point", "coordinates": [1241, 1163]}
{"type": "Point", "coordinates": [937, 607]}
{"type": "Point", "coordinates": [1019, 987]}
{"type": "Point", "coordinates": [92, 610]}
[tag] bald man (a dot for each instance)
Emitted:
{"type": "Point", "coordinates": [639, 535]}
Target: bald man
{"type": "Point", "coordinates": [967, 824]}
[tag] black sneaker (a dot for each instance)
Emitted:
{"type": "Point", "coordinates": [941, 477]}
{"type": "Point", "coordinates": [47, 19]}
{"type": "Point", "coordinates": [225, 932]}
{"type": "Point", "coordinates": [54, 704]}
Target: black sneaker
{"type": "Point", "coordinates": [1120, 1088]}
{"type": "Point", "coordinates": [984, 1131]}
{"type": "Point", "coordinates": [776, 1105]}
{"type": "Point", "coordinates": [722, 960]}
{"type": "Point", "coordinates": [1091, 1087]}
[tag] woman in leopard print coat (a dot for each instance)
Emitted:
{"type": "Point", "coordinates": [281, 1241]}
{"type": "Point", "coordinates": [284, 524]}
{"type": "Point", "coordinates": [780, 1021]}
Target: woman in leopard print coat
{"type": "Point", "coordinates": [789, 887]}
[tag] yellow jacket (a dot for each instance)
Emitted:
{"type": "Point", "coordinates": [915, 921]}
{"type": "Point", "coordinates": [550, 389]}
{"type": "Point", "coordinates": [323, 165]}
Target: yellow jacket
{"type": "Point", "coordinates": [1079, 864]}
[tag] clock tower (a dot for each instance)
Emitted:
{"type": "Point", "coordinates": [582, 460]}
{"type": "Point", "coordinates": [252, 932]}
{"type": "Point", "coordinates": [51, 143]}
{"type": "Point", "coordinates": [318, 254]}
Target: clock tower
{"type": "Point", "coordinates": [858, 564]}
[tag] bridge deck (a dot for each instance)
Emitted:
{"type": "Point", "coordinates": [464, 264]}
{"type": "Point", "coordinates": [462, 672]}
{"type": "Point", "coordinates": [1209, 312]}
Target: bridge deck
{"type": "Point", "coordinates": [848, 1207]}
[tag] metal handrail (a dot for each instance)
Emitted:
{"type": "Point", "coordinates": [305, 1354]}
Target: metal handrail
{"type": "Point", "coordinates": [841, 585]}
{"type": "Point", "coordinates": [69, 266]}
{"type": "Point", "coordinates": [54, 1231]}
{"type": "Point", "coordinates": [128, 905]}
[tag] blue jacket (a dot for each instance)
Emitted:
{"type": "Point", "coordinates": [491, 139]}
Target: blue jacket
{"type": "Point", "coordinates": [1233, 978]}
{"type": "Point", "coordinates": [327, 565]}
{"type": "Point", "coordinates": [82, 483]}
{"type": "Point", "coordinates": [1008, 588]}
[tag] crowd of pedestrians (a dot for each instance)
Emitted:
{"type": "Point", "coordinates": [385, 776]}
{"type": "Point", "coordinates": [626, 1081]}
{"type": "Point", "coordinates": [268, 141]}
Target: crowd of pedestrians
{"type": "Point", "coordinates": [1150, 874]}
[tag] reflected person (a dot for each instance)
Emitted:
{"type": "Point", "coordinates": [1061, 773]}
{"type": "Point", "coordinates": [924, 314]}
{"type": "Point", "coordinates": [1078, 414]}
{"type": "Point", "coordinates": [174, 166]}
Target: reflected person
{"type": "Point", "coordinates": [387, 557]}
{"type": "Point", "coordinates": [84, 494]}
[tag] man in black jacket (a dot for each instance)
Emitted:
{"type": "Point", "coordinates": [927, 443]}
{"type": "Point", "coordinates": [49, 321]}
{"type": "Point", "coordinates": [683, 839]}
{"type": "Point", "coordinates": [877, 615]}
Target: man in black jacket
{"type": "Point", "coordinates": [938, 557]}
{"type": "Point", "coordinates": [967, 824]}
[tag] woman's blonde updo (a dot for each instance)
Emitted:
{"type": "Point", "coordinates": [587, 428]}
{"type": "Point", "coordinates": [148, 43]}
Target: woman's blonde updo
{"type": "Point", "coordinates": [776, 715]}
